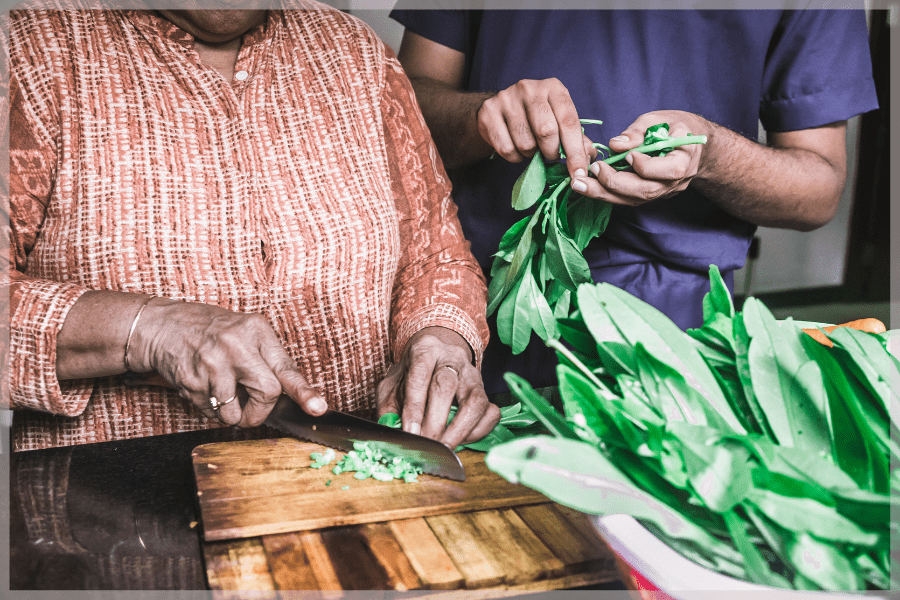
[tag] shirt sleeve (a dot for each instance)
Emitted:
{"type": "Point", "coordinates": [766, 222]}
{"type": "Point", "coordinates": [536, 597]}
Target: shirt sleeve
{"type": "Point", "coordinates": [439, 282]}
{"type": "Point", "coordinates": [819, 70]}
{"type": "Point", "coordinates": [451, 28]}
{"type": "Point", "coordinates": [37, 307]}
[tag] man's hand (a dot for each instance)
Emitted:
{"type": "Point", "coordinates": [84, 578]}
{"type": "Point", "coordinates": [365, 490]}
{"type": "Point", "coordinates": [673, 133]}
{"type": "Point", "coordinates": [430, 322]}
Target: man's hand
{"type": "Point", "coordinates": [653, 178]}
{"type": "Point", "coordinates": [436, 369]}
{"type": "Point", "coordinates": [531, 116]}
{"type": "Point", "coordinates": [527, 117]}
{"type": "Point", "coordinates": [793, 183]}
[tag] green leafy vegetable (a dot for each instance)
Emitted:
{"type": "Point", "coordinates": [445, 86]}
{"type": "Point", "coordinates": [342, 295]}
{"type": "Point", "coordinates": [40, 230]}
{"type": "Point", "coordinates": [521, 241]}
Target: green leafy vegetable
{"type": "Point", "coordinates": [745, 444]}
{"type": "Point", "coordinates": [539, 263]}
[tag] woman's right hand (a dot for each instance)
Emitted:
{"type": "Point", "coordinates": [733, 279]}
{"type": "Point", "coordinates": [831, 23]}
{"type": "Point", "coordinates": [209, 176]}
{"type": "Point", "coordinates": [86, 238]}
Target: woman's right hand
{"type": "Point", "coordinates": [206, 351]}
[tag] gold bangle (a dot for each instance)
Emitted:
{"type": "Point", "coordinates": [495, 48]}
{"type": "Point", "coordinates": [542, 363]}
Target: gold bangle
{"type": "Point", "coordinates": [131, 331]}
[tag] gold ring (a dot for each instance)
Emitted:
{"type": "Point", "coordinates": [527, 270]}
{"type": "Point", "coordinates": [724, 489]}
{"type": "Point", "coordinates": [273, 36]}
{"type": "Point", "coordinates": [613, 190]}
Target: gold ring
{"type": "Point", "coordinates": [216, 405]}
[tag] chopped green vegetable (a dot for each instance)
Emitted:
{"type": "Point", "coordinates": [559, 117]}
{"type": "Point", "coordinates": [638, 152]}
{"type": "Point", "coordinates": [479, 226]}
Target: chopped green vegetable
{"type": "Point", "coordinates": [364, 462]}
{"type": "Point", "coordinates": [346, 487]}
{"type": "Point", "coordinates": [746, 445]}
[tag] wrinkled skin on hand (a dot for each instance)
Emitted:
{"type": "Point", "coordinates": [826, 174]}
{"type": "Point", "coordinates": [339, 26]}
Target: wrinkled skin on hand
{"type": "Point", "coordinates": [421, 389]}
{"type": "Point", "coordinates": [653, 178]}
{"type": "Point", "coordinates": [203, 350]}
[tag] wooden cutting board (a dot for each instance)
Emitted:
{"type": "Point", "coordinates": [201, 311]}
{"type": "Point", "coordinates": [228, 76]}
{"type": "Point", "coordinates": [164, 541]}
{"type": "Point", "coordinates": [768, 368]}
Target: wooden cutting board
{"type": "Point", "coordinates": [261, 487]}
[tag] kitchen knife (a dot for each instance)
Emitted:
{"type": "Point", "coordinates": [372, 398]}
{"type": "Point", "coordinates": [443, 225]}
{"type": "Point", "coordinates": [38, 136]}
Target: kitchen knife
{"type": "Point", "coordinates": [339, 430]}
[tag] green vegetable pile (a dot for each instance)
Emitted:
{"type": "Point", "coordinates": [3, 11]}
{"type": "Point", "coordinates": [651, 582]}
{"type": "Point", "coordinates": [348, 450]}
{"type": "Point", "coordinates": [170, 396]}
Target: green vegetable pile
{"type": "Point", "coordinates": [539, 263]}
{"type": "Point", "coordinates": [746, 445]}
{"type": "Point", "coordinates": [365, 462]}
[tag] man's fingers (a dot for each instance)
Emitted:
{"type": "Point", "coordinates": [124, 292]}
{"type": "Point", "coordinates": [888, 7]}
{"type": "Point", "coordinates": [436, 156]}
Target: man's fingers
{"type": "Point", "coordinates": [568, 130]}
{"type": "Point", "coordinates": [494, 128]}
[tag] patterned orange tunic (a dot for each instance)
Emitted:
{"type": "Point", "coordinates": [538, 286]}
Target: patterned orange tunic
{"type": "Point", "coordinates": [307, 189]}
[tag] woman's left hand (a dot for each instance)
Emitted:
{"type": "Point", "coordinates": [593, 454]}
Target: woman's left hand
{"type": "Point", "coordinates": [435, 370]}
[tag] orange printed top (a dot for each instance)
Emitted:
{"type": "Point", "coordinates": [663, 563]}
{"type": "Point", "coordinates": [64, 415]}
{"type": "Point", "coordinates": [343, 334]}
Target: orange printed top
{"type": "Point", "coordinates": [307, 189]}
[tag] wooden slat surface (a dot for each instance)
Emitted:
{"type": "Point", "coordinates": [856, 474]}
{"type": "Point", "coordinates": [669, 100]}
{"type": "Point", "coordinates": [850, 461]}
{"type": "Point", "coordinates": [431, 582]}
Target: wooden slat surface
{"type": "Point", "coordinates": [498, 552]}
{"type": "Point", "coordinates": [261, 487]}
{"type": "Point", "coordinates": [428, 558]}
{"type": "Point", "coordinates": [569, 543]}
{"type": "Point", "coordinates": [462, 542]}
{"type": "Point", "coordinates": [401, 575]}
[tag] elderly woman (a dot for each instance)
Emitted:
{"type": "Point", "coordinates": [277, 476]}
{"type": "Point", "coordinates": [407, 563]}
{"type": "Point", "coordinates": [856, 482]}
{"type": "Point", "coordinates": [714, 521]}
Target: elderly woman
{"type": "Point", "coordinates": [240, 203]}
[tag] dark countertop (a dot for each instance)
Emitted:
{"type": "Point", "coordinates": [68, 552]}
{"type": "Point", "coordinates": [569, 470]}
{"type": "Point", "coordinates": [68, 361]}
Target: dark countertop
{"type": "Point", "coordinates": [110, 516]}
{"type": "Point", "coordinates": [115, 515]}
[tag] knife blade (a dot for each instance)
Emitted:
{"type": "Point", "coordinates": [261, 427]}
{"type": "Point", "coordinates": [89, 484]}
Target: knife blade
{"type": "Point", "coordinates": [339, 430]}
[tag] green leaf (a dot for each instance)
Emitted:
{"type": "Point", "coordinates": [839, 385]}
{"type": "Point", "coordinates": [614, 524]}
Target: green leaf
{"type": "Point", "coordinates": [823, 564]}
{"type": "Point", "coordinates": [637, 321]}
{"type": "Point", "coordinates": [543, 322]}
{"type": "Point", "coordinates": [551, 419]}
{"type": "Point", "coordinates": [514, 317]}
{"type": "Point", "coordinates": [497, 291]}
{"type": "Point", "coordinates": [590, 483]}
{"type": "Point", "coordinates": [587, 219]}
{"type": "Point", "coordinates": [719, 473]}
{"type": "Point", "coordinates": [758, 570]}
{"type": "Point", "coordinates": [674, 398]}
{"type": "Point", "coordinates": [530, 184]}
{"type": "Point", "coordinates": [390, 420]}
{"type": "Point", "coordinates": [511, 238]}
{"type": "Point", "coordinates": [815, 518]}
{"type": "Point", "coordinates": [718, 300]}
{"type": "Point", "coordinates": [565, 260]}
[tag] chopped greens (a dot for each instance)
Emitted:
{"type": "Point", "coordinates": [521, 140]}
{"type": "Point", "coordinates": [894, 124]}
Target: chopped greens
{"type": "Point", "coordinates": [364, 462]}
{"type": "Point", "coordinates": [745, 444]}
{"type": "Point", "coordinates": [539, 263]}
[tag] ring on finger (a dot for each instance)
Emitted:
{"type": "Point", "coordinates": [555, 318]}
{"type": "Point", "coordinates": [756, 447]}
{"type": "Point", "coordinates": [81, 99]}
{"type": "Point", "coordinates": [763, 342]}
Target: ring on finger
{"type": "Point", "coordinates": [451, 368]}
{"type": "Point", "coordinates": [216, 404]}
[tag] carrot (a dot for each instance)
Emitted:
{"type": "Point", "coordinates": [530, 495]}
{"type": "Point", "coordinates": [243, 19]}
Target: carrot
{"type": "Point", "coordinates": [869, 325]}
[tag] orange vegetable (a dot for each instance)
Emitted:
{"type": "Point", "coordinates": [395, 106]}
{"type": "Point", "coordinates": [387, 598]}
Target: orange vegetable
{"type": "Point", "coordinates": [869, 325]}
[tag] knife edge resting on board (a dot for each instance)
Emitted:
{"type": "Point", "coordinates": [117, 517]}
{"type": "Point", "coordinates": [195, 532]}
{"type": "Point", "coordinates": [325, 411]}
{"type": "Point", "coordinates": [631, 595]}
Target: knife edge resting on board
{"type": "Point", "coordinates": [339, 430]}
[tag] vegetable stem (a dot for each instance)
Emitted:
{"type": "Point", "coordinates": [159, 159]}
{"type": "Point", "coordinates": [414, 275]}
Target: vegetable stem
{"type": "Point", "coordinates": [557, 345]}
{"type": "Point", "coordinates": [661, 145]}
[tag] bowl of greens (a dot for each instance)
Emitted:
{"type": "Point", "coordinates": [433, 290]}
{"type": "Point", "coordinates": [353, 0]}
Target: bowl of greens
{"type": "Point", "coordinates": [748, 453]}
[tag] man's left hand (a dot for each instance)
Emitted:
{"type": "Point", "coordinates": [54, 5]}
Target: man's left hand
{"type": "Point", "coordinates": [653, 177]}
{"type": "Point", "coordinates": [435, 370]}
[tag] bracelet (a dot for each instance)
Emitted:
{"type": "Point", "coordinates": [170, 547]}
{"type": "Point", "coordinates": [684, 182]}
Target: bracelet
{"type": "Point", "coordinates": [131, 331]}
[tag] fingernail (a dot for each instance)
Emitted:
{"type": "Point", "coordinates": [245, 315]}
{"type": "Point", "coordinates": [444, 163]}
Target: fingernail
{"type": "Point", "coordinates": [629, 158]}
{"type": "Point", "coordinates": [415, 428]}
{"type": "Point", "coordinates": [579, 186]}
{"type": "Point", "coordinates": [318, 404]}
{"type": "Point", "coordinates": [580, 173]}
{"type": "Point", "coordinates": [620, 138]}
{"type": "Point", "coordinates": [595, 169]}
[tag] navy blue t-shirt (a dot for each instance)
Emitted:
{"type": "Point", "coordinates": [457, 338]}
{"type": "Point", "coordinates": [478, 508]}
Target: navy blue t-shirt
{"type": "Point", "coordinates": [791, 70]}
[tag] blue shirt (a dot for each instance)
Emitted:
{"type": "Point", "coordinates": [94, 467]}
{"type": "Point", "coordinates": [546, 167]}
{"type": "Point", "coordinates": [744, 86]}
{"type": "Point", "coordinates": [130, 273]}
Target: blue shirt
{"type": "Point", "coordinates": [791, 70]}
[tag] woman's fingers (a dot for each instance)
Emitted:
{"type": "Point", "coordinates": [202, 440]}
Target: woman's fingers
{"type": "Point", "coordinates": [441, 393]}
{"type": "Point", "coordinates": [476, 416]}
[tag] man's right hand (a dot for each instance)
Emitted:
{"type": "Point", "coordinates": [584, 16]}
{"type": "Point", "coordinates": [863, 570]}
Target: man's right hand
{"type": "Point", "coordinates": [527, 117]}
{"type": "Point", "coordinates": [533, 115]}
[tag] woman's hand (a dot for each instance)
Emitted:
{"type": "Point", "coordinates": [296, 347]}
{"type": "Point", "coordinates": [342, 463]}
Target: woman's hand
{"type": "Point", "coordinates": [206, 352]}
{"type": "Point", "coordinates": [653, 177]}
{"type": "Point", "coordinates": [436, 369]}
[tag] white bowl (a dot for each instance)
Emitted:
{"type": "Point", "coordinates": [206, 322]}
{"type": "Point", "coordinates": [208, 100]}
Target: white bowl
{"type": "Point", "coordinates": [682, 579]}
